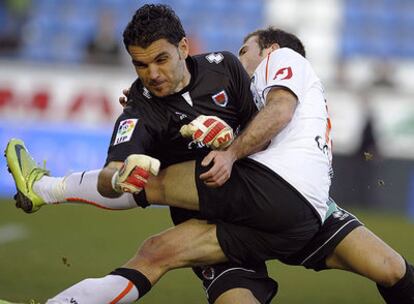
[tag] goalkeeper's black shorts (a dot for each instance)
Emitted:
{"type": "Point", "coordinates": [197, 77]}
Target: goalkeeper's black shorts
{"type": "Point", "coordinates": [259, 217]}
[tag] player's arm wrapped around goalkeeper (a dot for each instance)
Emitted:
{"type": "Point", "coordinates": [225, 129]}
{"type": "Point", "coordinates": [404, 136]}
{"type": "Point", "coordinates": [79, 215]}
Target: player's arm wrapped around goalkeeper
{"type": "Point", "coordinates": [209, 131]}
{"type": "Point", "coordinates": [134, 173]}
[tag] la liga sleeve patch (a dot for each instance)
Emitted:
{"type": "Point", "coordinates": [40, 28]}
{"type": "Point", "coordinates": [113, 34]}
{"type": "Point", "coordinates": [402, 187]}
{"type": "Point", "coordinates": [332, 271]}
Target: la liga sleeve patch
{"type": "Point", "coordinates": [125, 130]}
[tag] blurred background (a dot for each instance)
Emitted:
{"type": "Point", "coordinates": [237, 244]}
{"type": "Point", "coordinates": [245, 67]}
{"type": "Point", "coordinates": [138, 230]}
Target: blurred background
{"type": "Point", "coordinates": [63, 66]}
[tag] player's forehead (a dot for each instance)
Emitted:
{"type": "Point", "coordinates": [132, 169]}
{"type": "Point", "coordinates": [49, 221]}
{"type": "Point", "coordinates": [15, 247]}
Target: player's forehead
{"type": "Point", "coordinates": [154, 50]}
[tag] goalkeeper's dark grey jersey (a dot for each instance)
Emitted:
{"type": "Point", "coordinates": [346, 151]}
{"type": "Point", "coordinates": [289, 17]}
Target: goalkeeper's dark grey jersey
{"type": "Point", "coordinates": [150, 125]}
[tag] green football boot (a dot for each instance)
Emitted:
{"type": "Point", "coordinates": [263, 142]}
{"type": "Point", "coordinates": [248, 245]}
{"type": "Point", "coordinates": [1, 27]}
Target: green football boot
{"type": "Point", "coordinates": [25, 172]}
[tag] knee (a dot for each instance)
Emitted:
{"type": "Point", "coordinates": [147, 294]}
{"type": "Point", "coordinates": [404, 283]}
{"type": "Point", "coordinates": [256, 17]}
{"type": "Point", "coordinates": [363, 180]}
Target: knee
{"type": "Point", "coordinates": [394, 270]}
{"type": "Point", "coordinates": [157, 251]}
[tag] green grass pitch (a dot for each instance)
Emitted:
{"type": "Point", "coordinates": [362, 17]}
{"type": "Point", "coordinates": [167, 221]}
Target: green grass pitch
{"type": "Point", "coordinates": [43, 253]}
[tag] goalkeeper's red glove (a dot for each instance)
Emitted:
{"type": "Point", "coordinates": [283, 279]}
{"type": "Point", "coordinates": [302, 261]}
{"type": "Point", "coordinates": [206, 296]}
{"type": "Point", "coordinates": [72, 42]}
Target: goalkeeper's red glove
{"type": "Point", "coordinates": [210, 131]}
{"type": "Point", "coordinates": [133, 175]}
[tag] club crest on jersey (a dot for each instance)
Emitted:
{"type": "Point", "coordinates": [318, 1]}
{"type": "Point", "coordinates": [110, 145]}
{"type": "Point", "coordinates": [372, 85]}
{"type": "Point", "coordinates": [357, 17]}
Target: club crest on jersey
{"type": "Point", "coordinates": [125, 130]}
{"type": "Point", "coordinates": [220, 98]}
{"type": "Point", "coordinates": [215, 57]}
{"type": "Point", "coordinates": [283, 74]}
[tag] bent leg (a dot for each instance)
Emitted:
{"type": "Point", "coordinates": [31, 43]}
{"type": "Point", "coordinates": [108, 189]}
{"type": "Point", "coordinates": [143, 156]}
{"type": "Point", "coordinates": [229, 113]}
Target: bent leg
{"type": "Point", "coordinates": [364, 253]}
{"type": "Point", "coordinates": [192, 243]}
{"type": "Point", "coordinates": [189, 244]}
{"type": "Point", "coordinates": [195, 243]}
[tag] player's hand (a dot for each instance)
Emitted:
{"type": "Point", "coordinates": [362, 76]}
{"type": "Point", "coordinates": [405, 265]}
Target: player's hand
{"type": "Point", "coordinates": [220, 172]}
{"type": "Point", "coordinates": [210, 131]}
{"type": "Point", "coordinates": [124, 98]}
{"type": "Point", "coordinates": [133, 175]}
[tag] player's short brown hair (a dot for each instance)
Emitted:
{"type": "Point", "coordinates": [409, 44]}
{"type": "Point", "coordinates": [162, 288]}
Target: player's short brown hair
{"type": "Point", "coordinates": [267, 37]}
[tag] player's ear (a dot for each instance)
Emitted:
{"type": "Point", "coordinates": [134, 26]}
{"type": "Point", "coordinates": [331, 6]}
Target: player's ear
{"type": "Point", "coordinates": [274, 46]}
{"type": "Point", "coordinates": [270, 49]}
{"type": "Point", "coordinates": [183, 48]}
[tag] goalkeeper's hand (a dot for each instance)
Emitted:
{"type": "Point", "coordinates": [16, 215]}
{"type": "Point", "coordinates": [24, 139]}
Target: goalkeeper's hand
{"type": "Point", "coordinates": [133, 175]}
{"type": "Point", "coordinates": [123, 99]}
{"type": "Point", "coordinates": [210, 131]}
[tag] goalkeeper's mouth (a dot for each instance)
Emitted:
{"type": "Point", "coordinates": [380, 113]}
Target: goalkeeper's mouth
{"type": "Point", "coordinates": [158, 88]}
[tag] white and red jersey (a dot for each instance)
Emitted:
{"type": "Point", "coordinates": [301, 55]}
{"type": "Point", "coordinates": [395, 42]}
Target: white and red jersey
{"type": "Point", "coordinates": [301, 152]}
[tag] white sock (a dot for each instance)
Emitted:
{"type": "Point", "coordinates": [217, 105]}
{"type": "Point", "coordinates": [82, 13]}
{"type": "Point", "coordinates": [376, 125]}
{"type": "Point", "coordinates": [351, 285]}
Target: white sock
{"type": "Point", "coordinates": [50, 189]}
{"type": "Point", "coordinates": [109, 289]}
{"type": "Point", "coordinates": [81, 188]}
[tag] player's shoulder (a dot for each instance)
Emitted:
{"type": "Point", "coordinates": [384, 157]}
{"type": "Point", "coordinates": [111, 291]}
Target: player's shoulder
{"type": "Point", "coordinates": [136, 98]}
{"type": "Point", "coordinates": [139, 96]}
{"type": "Point", "coordinates": [138, 92]}
{"type": "Point", "coordinates": [221, 60]}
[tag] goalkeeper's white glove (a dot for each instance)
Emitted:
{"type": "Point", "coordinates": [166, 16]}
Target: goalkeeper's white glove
{"type": "Point", "coordinates": [133, 175]}
{"type": "Point", "coordinates": [210, 131]}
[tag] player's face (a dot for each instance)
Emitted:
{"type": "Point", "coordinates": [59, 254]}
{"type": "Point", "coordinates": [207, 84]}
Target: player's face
{"type": "Point", "coordinates": [161, 66]}
{"type": "Point", "coordinates": [251, 55]}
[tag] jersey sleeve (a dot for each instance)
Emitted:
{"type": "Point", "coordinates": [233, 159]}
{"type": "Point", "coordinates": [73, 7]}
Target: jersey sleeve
{"type": "Point", "coordinates": [286, 68]}
{"type": "Point", "coordinates": [241, 87]}
{"type": "Point", "coordinates": [131, 135]}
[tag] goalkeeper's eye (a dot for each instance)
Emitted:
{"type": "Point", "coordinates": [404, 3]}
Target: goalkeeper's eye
{"type": "Point", "coordinates": [139, 64]}
{"type": "Point", "coordinates": [162, 60]}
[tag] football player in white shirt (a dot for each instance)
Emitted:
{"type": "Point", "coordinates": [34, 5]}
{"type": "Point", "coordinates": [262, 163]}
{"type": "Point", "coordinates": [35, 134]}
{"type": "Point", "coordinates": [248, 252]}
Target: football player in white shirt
{"type": "Point", "coordinates": [295, 120]}
{"type": "Point", "coordinates": [272, 67]}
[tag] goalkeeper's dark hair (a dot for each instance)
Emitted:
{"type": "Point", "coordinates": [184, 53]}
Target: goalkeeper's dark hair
{"type": "Point", "coordinates": [152, 22]}
{"type": "Point", "coordinates": [271, 35]}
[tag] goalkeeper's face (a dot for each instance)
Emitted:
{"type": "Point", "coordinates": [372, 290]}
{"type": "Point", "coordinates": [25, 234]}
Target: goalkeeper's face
{"type": "Point", "coordinates": [161, 66]}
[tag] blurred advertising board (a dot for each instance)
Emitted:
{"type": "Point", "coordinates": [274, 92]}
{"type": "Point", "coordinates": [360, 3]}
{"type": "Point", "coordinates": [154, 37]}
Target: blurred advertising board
{"type": "Point", "coordinates": [81, 94]}
{"type": "Point", "coordinates": [65, 148]}
{"type": "Point", "coordinates": [64, 114]}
